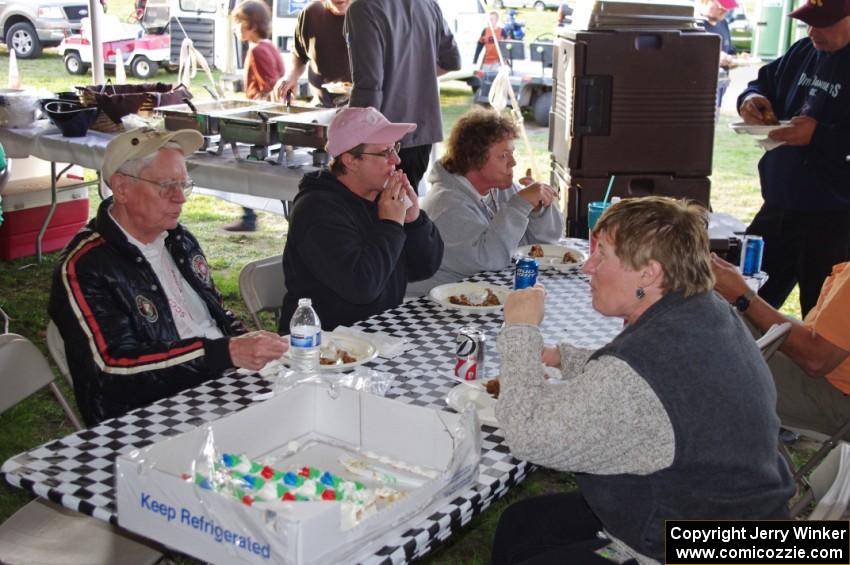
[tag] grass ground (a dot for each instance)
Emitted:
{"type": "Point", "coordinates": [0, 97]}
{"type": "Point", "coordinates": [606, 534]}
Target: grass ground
{"type": "Point", "coordinates": [24, 286]}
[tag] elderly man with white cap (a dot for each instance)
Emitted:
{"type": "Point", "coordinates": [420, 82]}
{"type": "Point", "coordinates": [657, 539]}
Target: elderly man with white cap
{"type": "Point", "coordinates": [805, 183]}
{"type": "Point", "coordinates": [357, 235]}
{"type": "Point", "coordinates": [133, 296]}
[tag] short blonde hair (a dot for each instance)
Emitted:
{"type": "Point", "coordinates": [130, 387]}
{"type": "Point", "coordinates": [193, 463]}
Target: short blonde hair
{"type": "Point", "coordinates": [672, 232]}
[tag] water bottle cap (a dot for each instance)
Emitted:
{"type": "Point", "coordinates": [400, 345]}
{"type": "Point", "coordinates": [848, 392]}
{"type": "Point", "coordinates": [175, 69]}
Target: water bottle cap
{"type": "Point", "coordinates": [305, 302]}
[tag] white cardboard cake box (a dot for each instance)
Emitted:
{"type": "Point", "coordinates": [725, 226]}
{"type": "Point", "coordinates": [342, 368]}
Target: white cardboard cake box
{"type": "Point", "coordinates": [156, 501]}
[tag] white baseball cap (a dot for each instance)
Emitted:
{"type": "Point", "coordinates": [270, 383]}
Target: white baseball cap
{"type": "Point", "coordinates": [141, 142]}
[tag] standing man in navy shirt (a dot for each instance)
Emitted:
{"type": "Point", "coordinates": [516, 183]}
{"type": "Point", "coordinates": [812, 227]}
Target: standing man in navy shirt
{"type": "Point", "coordinates": [805, 218]}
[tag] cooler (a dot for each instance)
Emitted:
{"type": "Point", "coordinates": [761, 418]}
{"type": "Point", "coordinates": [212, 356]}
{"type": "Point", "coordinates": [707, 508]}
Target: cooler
{"type": "Point", "coordinates": [634, 101]}
{"type": "Point", "coordinates": [26, 202]}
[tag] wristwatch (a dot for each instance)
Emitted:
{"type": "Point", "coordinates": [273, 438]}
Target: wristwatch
{"type": "Point", "coordinates": [743, 301]}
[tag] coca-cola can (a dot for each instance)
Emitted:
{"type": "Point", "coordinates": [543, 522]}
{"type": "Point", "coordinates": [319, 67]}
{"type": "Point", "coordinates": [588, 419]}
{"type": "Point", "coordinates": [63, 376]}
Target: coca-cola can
{"type": "Point", "coordinates": [470, 347]}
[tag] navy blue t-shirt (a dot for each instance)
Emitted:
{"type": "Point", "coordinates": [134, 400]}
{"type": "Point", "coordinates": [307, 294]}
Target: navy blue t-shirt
{"type": "Point", "coordinates": [808, 82]}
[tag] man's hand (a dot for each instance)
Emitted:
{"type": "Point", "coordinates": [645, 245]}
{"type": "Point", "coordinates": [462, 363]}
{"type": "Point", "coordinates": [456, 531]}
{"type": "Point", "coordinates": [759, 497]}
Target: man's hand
{"type": "Point", "coordinates": [525, 306]}
{"type": "Point", "coordinates": [728, 281]}
{"type": "Point", "coordinates": [391, 205]}
{"type": "Point", "coordinates": [253, 350]}
{"type": "Point", "coordinates": [799, 131]}
{"type": "Point", "coordinates": [539, 195]}
{"type": "Point", "coordinates": [756, 109]}
{"type": "Point", "coordinates": [285, 86]}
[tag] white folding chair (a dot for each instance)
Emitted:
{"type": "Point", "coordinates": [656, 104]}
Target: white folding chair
{"type": "Point", "coordinates": [56, 347]}
{"type": "Point", "coordinates": [262, 286]}
{"type": "Point", "coordinates": [773, 339]}
{"type": "Point", "coordinates": [41, 532]}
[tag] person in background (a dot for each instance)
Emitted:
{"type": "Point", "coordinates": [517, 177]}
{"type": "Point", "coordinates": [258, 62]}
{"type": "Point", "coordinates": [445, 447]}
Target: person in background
{"type": "Point", "coordinates": [357, 235]}
{"type": "Point", "coordinates": [656, 425]}
{"type": "Point", "coordinates": [811, 370]}
{"type": "Point", "coordinates": [132, 294]}
{"type": "Point", "coordinates": [319, 43]}
{"type": "Point", "coordinates": [263, 68]}
{"type": "Point", "coordinates": [482, 214]}
{"type": "Point", "coordinates": [565, 13]}
{"type": "Point", "coordinates": [714, 12]}
{"type": "Point", "coordinates": [397, 49]}
{"type": "Point", "coordinates": [805, 183]}
{"type": "Point", "coordinates": [487, 42]}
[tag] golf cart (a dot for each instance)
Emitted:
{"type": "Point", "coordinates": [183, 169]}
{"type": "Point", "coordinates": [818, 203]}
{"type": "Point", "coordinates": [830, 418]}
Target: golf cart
{"type": "Point", "coordinates": [530, 73]}
{"type": "Point", "coordinates": [141, 52]}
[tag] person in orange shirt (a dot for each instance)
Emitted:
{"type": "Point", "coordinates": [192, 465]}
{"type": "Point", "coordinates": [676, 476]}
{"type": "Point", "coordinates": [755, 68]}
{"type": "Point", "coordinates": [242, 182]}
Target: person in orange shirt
{"type": "Point", "coordinates": [263, 67]}
{"type": "Point", "coordinates": [487, 42]}
{"type": "Point", "coordinates": [811, 369]}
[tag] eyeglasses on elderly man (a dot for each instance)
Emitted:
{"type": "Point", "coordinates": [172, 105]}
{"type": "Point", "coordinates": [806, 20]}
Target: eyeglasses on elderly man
{"type": "Point", "coordinates": [167, 189]}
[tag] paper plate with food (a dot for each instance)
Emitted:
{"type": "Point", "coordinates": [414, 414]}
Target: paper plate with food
{"type": "Point", "coordinates": [474, 393]}
{"type": "Point", "coordinates": [338, 87]}
{"type": "Point", "coordinates": [470, 296]}
{"type": "Point", "coordinates": [552, 256]}
{"type": "Point", "coordinates": [758, 129]}
{"type": "Point", "coordinates": [341, 352]}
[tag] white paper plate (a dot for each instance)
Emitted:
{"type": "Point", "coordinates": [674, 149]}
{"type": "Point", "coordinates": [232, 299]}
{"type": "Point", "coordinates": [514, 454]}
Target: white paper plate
{"type": "Point", "coordinates": [361, 349]}
{"type": "Point", "coordinates": [441, 294]}
{"type": "Point", "coordinates": [473, 393]}
{"type": "Point", "coordinates": [338, 87]}
{"type": "Point", "coordinates": [757, 129]}
{"type": "Point", "coordinates": [552, 256]}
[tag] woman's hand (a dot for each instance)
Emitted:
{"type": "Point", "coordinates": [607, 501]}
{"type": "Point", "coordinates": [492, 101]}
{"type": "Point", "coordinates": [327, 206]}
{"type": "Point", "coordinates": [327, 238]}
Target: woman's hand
{"type": "Point", "coordinates": [525, 306]}
{"type": "Point", "coordinates": [551, 356]}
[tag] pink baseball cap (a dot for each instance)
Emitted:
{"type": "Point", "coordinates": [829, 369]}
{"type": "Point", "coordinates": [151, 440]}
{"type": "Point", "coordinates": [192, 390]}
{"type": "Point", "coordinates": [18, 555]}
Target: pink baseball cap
{"type": "Point", "coordinates": [353, 126]}
{"type": "Point", "coordinates": [728, 4]}
{"type": "Point", "coordinates": [822, 13]}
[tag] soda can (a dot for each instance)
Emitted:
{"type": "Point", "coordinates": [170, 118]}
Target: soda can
{"type": "Point", "coordinates": [751, 255]}
{"type": "Point", "coordinates": [525, 274]}
{"type": "Point", "coordinates": [470, 347]}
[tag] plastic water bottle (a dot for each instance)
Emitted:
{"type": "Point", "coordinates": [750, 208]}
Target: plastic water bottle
{"type": "Point", "coordinates": [305, 337]}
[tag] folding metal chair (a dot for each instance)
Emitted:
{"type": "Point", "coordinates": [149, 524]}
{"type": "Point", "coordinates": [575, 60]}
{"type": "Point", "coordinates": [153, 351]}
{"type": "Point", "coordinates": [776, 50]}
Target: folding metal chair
{"type": "Point", "coordinates": [41, 532]}
{"type": "Point", "coordinates": [807, 485]}
{"type": "Point", "coordinates": [56, 347]}
{"type": "Point", "coordinates": [773, 339]}
{"type": "Point", "coordinates": [262, 286]}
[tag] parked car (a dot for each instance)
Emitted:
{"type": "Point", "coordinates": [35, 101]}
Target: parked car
{"type": "Point", "coordinates": [30, 26]}
{"type": "Point", "coordinates": [740, 28]}
{"type": "Point", "coordinates": [536, 4]}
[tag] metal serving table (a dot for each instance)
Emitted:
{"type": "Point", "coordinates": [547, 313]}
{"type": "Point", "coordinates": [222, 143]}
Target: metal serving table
{"type": "Point", "coordinates": [216, 172]}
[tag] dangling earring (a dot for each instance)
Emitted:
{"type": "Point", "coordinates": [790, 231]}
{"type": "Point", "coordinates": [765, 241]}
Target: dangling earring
{"type": "Point", "coordinates": [640, 293]}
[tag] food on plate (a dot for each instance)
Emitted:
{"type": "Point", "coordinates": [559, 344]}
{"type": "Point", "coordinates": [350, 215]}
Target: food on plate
{"type": "Point", "coordinates": [336, 355]}
{"type": "Point", "coordinates": [770, 118]}
{"type": "Point", "coordinates": [570, 257]}
{"type": "Point", "coordinates": [338, 87]}
{"type": "Point", "coordinates": [490, 299]}
{"type": "Point", "coordinates": [536, 251]}
{"type": "Point", "coordinates": [492, 387]}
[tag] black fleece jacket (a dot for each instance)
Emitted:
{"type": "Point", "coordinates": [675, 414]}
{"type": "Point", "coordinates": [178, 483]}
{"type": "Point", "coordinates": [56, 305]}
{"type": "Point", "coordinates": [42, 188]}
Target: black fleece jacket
{"type": "Point", "coordinates": [350, 263]}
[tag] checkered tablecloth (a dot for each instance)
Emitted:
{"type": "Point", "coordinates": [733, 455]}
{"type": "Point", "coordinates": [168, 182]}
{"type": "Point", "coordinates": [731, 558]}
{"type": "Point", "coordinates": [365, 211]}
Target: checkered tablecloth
{"type": "Point", "coordinates": [78, 471]}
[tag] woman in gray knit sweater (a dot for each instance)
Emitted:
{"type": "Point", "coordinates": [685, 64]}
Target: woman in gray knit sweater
{"type": "Point", "coordinates": [674, 419]}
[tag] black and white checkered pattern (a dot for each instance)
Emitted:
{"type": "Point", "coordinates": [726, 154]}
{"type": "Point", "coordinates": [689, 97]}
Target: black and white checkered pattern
{"type": "Point", "coordinates": [78, 471]}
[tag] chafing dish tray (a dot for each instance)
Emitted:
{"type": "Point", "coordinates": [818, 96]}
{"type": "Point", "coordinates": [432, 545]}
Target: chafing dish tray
{"type": "Point", "coordinates": [254, 125]}
{"type": "Point", "coordinates": [203, 116]}
{"type": "Point", "coordinates": [304, 129]}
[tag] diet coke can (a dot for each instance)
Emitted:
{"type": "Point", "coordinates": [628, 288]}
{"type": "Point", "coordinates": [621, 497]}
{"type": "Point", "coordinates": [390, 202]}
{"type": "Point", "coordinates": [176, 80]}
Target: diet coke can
{"type": "Point", "coordinates": [469, 353]}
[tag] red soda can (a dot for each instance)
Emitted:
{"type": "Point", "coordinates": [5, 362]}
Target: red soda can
{"type": "Point", "coordinates": [470, 347]}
